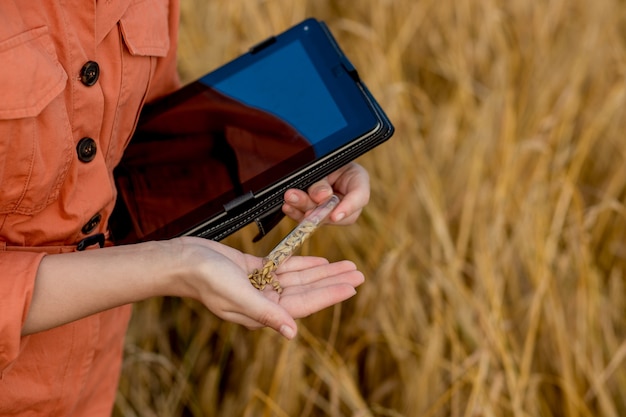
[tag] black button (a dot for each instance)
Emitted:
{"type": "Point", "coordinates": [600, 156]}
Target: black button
{"type": "Point", "coordinates": [86, 149]}
{"type": "Point", "coordinates": [91, 224]}
{"type": "Point", "coordinates": [89, 73]}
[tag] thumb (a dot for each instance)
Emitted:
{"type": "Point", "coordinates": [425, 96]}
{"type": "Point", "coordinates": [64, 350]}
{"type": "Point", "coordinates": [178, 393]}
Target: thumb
{"type": "Point", "coordinates": [270, 314]}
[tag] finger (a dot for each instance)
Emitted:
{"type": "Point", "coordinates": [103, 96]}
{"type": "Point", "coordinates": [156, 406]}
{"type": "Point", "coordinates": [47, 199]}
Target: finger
{"type": "Point", "coordinates": [293, 212]}
{"type": "Point", "coordinates": [305, 201]}
{"type": "Point", "coordinates": [298, 263]}
{"type": "Point", "coordinates": [304, 304]}
{"type": "Point", "coordinates": [336, 272]}
{"type": "Point", "coordinates": [353, 279]}
{"type": "Point", "coordinates": [297, 204]}
{"type": "Point", "coordinates": [320, 191]}
{"type": "Point", "coordinates": [342, 216]}
{"type": "Point", "coordinates": [353, 184]}
{"type": "Point", "coordinates": [262, 312]}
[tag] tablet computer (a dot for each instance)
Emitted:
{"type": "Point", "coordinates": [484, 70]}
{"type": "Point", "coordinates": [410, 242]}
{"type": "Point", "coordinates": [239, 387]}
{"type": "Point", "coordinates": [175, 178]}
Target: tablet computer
{"type": "Point", "coordinates": [219, 153]}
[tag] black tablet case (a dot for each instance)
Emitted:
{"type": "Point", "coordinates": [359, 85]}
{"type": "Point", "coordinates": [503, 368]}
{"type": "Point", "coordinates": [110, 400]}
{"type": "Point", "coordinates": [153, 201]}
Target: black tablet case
{"type": "Point", "coordinates": [146, 161]}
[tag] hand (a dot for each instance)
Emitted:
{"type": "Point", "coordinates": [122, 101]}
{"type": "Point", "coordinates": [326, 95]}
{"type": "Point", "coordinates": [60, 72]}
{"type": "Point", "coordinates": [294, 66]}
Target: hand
{"type": "Point", "coordinates": [350, 183]}
{"type": "Point", "coordinates": [71, 286]}
{"type": "Point", "coordinates": [309, 284]}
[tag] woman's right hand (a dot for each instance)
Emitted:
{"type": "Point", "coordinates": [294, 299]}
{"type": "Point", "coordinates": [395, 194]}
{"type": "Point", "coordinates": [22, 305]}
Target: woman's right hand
{"type": "Point", "coordinates": [74, 285]}
{"type": "Point", "coordinates": [217, 275]}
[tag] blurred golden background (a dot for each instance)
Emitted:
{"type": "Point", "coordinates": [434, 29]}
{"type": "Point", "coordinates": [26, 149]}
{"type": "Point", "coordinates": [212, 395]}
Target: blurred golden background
{"type": "Point", "coordinates": [494, 245]}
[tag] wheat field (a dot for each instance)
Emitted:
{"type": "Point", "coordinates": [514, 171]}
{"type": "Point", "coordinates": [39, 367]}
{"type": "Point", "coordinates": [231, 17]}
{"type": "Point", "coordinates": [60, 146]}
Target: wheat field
{"type": "Point", "coordinates": [494, 245]}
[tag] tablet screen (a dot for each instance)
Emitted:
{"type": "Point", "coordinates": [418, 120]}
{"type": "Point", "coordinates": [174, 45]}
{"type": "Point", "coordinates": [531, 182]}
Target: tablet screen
{"type": "Point", "coordinates": [287, 84]}
{"type": "Point", "coordinates": [239, 131]}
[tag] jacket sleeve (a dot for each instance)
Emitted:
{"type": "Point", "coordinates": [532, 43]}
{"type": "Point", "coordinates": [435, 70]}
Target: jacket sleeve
{"type": "Point", "coordinates": [17, 281]}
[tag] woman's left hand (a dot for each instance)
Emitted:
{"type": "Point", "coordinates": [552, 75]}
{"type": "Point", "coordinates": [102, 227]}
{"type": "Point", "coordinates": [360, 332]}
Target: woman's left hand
{"type": "Point", "coordinates": [350, 183]}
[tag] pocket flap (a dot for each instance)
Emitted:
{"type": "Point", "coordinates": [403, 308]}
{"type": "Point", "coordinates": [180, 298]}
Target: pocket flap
{"type": "Point", "coordinates": [30, 74]}
{"type": "Point", "coordinates": [145, 29]}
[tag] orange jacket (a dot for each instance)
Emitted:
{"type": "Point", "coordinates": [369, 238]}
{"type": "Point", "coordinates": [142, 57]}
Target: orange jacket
{"type": "Point", "coordinates": [73, 78]}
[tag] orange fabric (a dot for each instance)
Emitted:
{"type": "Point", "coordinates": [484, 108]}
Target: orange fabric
{"type": "Point", "coordinates": [47, 195]}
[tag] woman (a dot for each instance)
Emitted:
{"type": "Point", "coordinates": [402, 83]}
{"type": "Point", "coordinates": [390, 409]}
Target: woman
{"type": "Point", "coordinates": [74, 77]}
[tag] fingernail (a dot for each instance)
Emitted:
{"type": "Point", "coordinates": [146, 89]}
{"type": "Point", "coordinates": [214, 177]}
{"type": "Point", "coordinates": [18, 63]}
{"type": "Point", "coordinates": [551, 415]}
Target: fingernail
{"type": "Point", "coordinates": [287, 331]}
{"type": "Point", "coordinates": [324, 190]}
{"type": "Point", "coordinates": [339, 217]}
{"type": "Point", "coordinates": [292, 198]}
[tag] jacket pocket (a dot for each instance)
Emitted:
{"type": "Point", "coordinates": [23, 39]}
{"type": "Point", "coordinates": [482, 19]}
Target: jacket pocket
{"type": "Point", "coordinates": [145, 32]}
{"type": "Point", "coordinates": [145, 28]}
{"type": "Point", "coordinates": [35, 135]}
